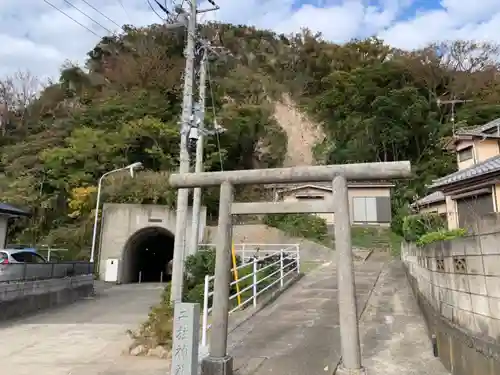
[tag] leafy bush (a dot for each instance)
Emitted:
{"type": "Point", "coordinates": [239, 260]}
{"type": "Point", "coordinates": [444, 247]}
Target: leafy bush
{"type": "Point", "coordinates": [441, 235]}
{"type": "Point", "coordinates": [197, 267]}
{"type": "Point", "coordinates": [415, 226]}
{"type": "Point", "coordinates": [200, 264]}
{"type": "Point", "coordinates": [300, 225]}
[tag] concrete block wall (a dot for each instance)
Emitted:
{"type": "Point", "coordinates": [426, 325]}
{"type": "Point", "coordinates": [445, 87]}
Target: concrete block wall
{"type": "Point", "coordinates": [457, 285]}
{"type": "Point", "coordinates": [22, 298]}
{"type": "Point", "coordinates": [461, 280]}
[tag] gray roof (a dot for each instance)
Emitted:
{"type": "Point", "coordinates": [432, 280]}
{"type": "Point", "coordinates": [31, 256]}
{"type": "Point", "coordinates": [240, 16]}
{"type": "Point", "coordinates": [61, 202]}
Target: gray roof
{"type": "Point", "coordinates": [435, 197]}
{"type": "Point", "coordinates": [11, 210]}
{"type": "Point", "coordinates": [327, 185]}
{"type": "Point", "coordinates": [480, 130]}
{"type": "Point", "coordinates": [488, 166]}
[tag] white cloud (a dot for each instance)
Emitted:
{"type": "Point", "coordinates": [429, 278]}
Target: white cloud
{"type": "Point", "coordinates": [37, 37]}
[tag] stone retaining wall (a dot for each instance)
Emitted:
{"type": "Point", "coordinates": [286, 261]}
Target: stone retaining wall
{"type": "Point", "coordinates": [21, 298]}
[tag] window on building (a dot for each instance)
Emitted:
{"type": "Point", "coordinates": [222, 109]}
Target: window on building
{"type": "Point", "coordinates": [465, 154]}
{"type": "Point", "coordinates": [365, 210]}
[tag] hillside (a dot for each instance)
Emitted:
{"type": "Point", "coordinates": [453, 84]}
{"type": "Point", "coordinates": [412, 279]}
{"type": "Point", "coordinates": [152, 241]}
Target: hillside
{"type": "Point", "coordinates": [285, 100]}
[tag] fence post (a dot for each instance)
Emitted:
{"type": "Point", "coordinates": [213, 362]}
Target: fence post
{"type": "Point", "coordinates": [297, 259]}
{"type": "Point", "coordinates": [161, 276]}
{"type": "Point", "coordinates": [243, 252]}
{"type": "Point", "coordinates": [204, 328]}
{"type": "Point", "coordinates": [254, 282]}
{"type": "Point", "coordinates": [140, 276]}
{"type": "Point", "coordinates": [282, 273]}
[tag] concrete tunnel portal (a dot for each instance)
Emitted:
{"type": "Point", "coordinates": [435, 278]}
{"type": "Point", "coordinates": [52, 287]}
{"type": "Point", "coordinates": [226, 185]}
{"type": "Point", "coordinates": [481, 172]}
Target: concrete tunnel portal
{"type": "Point", "coordinates": [146, 255]}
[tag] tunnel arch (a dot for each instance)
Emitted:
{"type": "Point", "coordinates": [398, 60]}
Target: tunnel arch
{"type": "Point", "coordinates": [146, 255]}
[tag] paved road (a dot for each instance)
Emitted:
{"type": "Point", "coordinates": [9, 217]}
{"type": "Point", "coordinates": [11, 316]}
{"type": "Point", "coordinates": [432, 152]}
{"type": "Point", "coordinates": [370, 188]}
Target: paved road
{"type": "Point", "coordinates": [299, 334]}
{"type": "Point", "coordinates": [393, 331]}
{"type": "Point", "coordinates": [86, 338]}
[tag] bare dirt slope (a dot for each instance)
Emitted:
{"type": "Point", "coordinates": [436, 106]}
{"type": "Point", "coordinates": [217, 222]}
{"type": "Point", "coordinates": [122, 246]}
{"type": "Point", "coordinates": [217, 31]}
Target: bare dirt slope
{"type": "Point", "coordinates": [301, 131]}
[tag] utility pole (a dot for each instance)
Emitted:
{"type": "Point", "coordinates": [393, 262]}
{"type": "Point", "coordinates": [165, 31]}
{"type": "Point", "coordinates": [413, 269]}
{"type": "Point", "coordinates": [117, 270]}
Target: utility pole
{"type": "Point", "coordinates": [187, 19]}
{"type": "Point", "coordinates": [198, 133]}
{"type": "Point", "coordinates": [183, 194]}
{"type": "Point", "coordinates": [195, 227]}
{"type": "Point", "coordinates": [452, 102]}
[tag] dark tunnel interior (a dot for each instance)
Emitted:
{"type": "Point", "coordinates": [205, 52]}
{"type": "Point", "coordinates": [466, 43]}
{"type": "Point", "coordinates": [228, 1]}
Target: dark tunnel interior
{"type": "Point", "coordinates": [147, 256]}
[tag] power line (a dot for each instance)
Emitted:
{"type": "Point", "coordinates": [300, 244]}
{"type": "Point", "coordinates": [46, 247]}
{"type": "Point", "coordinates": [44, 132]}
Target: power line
{"type": "Point", "coordinates": [123, 7]}
{"type": "Point", "coordinates": [101, 13]}
{"type": "Point", "coordinates": [154, 10]}
{"type": "Point", "coordinates": [212, 96]}
{"type": "Point", "coordinates": [71, 18]}
{"type": "Point", "coordinates": [86, 15]}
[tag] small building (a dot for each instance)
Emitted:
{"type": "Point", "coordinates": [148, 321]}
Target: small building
{"type": "Point", "coordinates": [369, 202]}
{"type": "Point", "coordinates": [473, 191]}
{"type": "Point", "coordinates": [433, 203]}
{"type": "Point", "coordinates": [7, 212]}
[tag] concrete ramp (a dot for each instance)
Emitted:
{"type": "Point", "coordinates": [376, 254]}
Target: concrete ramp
{"type": "Point", "coordinates": [299, 334]}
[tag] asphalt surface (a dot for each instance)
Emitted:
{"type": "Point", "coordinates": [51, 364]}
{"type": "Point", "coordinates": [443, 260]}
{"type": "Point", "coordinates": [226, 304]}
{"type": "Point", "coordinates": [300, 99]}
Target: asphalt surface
{"type": "Point", "coordinates": [297, 334]}
{"type": "Point", "coordinates": [87, 337]}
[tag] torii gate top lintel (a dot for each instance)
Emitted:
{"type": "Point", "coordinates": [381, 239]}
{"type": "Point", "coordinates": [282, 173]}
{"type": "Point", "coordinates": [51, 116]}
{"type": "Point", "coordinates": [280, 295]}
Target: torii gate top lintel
{"type": "Point", "coordinates": [357, 171]}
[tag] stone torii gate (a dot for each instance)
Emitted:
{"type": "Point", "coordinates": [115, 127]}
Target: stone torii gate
{"type": "Point", "coordinates": [219, 362]}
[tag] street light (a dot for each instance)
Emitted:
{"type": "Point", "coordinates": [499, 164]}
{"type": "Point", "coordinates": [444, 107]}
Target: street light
{"type": "Point", "coordinates": [132, 167]}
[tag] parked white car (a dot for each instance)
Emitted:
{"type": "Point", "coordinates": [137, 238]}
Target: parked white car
{"type": "Point", "coordinates": [15, 262]}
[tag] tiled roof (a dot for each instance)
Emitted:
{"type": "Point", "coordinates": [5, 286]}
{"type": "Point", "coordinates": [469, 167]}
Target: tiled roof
{"type": "Point", "coordinates": [488, 166]}
{"type": "Point", "coordinates": [11, 210]}
{"type": "Point", "coordinates": [480, 130]}
{"type": "Point", "coordinates": [437, 196]}
{"type": "Point", "coordinates": [326, 185]}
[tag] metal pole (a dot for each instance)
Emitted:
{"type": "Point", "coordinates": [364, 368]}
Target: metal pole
{"type": "Point", "coordinates": [254, 281]}
{"type": "Point", "coordinates": [199, 157]}
{"type": "Point", "coordinates": [183, 194]}
{"type": "Point", "coordinates": [96, 219]}
{"type": "Point", "coordinates": [349, 329]}
{"type": "Point", "coordinates": [218, 362]}
{"type": "Point", "coordinates": [206, 291]}
{"type": "Point", "coordinates": [282, 271]}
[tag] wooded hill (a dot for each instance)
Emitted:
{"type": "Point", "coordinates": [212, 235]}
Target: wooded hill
{"type": "Point", "coordinates": [372, 102]}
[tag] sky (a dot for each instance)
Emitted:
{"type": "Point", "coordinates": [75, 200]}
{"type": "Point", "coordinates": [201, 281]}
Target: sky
{"type": "Point", "coordinates": [38, 38]}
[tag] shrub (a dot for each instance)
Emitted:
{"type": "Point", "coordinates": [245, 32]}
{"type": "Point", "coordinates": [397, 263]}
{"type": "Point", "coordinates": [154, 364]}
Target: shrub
{"type": "Point", "coordinates": [200, 264]}
{"type": "Point", "coordinates": [415, 226]}
{"type": "Point", "coordinates": [441, 235]}
{"type": "Point", "coordinates": [300, 225]}
{"type": "Point", "coordinates": [197, 267]}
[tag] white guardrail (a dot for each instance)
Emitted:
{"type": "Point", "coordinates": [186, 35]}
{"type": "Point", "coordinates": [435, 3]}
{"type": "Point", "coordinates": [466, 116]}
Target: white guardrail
{"type": "Point", "coordinates": [262, 267]}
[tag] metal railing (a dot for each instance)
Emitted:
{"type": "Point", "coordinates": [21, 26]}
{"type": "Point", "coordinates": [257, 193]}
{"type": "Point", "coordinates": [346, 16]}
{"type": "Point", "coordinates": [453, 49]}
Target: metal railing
{"type": "Point", "coordinates": [258, 274]}
{"type": "Point", "coordinates": [247, 251]}
{"type": "Point", "coordinates": [42, 271]}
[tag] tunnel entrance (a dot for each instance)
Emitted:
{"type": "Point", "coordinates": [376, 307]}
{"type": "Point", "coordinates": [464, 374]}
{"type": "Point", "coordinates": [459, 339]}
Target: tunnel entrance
{"type": "Point", "coordinates": [146, 256]}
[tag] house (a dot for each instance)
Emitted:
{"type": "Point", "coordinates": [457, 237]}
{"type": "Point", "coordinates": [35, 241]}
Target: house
{"type": "Point", "coordinates": [6, 212]}
{"type": "Point", "coordinates": [434, 203]}
{"type": "Point", "coordinates": [474, 189]}
{"type": "Point", "coordinates": [369, 202]}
